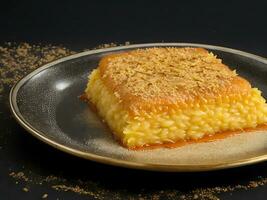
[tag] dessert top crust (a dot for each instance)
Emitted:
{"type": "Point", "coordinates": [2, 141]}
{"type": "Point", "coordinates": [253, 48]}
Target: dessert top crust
{"type": "Point", "coordinates": [145, 78]}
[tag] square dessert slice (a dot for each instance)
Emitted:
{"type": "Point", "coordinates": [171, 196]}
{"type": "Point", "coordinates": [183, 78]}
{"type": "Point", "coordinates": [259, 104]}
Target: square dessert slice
{"type": "Point", "coordinates": [164, 95]}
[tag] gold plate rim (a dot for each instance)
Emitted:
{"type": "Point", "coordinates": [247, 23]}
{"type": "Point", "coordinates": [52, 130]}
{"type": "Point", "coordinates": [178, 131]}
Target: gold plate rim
{"type": "Point", "coordinates": [116, 162]}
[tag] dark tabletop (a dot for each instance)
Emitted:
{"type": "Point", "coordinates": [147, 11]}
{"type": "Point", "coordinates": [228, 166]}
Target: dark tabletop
{"type": "Point", "coordinates": [86, 24]}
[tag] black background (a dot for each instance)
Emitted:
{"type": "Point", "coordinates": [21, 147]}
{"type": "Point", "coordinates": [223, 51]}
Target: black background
{"type": "Point", "coordinates": [84, 24]}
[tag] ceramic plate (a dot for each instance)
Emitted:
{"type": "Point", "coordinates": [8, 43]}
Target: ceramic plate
{"type": "Point", "coordinates": [46, 104]}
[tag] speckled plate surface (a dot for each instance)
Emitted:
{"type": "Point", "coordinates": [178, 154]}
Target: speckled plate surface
{"type": "Point", "coordinates": [46, 103]}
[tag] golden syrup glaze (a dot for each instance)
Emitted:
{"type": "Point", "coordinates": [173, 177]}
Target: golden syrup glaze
{"type": "Point", "coordinates": [135, 104]}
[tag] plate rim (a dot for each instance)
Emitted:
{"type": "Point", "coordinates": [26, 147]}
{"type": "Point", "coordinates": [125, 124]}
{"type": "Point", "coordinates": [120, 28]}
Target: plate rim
{"type": "Point", "coordinates": [117, 162]}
